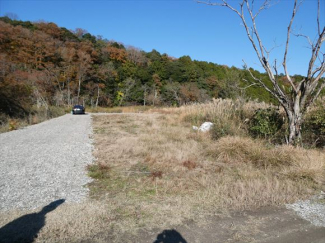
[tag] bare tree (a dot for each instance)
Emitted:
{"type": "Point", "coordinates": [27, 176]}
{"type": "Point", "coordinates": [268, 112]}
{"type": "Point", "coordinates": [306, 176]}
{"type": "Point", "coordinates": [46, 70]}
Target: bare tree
{"type": "Point", "coordinates": [145, 88]}
{"type": "Point", "coordinates": [12, 16]}
{"type": "Point", "coordinates": [174, 89]}
{"type": "Point", "coordinates": [125, 88]}
{"type": "Point", "coordinates": [136, 56]}
{"type": "Point", "coordinates": [303, 93]}
{"type": "Point", "coordinates": [83, 66]}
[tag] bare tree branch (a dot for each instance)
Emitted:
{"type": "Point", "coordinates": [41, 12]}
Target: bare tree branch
{"type": "Point", "coordinates": [287, 47]}
{"type": "Point", "coordinates": [264, 6]}
{"type": "Point", "coordinates": [269, 51]}
{"type": "Point", "coordinates": [255, 29]}
{"type": "Point", "coordinates": [318, 69]}
{"type": "Point", "coordinates": [261, 83]}
{"type": "Point", "coordinates": [315, 52]}
{"type": "Point", "coordinates": [318, 16]}
{"type": "Point", "coordinates": [317, 93]}
{"type": "Point", "coordinates": [275, 69]}
{"type": "Point", "coordinates": [307, 37]}
{"type": "Point", "coordinates": [223, 4]}
{"type": "Point", "coordinates": [248, 86]}
{"type": "Point", "coordinates": [302, 94]}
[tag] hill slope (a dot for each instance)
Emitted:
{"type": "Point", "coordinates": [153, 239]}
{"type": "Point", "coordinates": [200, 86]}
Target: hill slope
{"type": "Point", "coordinates": [44, 64]}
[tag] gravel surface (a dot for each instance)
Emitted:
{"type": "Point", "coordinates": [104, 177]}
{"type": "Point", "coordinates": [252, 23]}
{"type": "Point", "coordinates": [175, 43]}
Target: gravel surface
{"type": "Point", "coordinates": [45, 162]}
{"type": "Point", "coordinates": [311, 210]}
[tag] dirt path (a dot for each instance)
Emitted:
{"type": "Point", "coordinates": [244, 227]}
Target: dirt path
{"type": "Point", "coordinates": [266, 225]}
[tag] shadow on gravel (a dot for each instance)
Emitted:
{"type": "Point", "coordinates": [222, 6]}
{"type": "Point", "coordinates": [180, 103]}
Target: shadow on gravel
{"type": "Point", "coordinates": [170, 236]}
{"type": "Point", "coordinates": [26, 228]}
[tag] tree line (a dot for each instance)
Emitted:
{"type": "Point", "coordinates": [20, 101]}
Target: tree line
{"type": "Point", "coordinates": [45, 65]}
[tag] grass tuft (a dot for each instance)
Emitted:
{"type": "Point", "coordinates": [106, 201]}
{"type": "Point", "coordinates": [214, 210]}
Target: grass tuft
{"type": "Point", "coordinates": [99, 171]}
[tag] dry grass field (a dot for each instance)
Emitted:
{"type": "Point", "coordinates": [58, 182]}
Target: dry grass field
{"type": "Point", "coordinates": [161, 172]}
{"type": "Point", "coordinates": [152, 170]}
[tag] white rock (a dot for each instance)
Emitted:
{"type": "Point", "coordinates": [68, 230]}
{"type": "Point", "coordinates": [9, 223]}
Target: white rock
{"type": "Point", "coordinates": [205, 127]}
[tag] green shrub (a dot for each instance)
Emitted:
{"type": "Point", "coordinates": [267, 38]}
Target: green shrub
{"type": "Point", "coordinates": [265, 123]}
{"type": "Point", "coordinates": [220, 130]}
{"type": "Point", "coordinates": [313, 129]}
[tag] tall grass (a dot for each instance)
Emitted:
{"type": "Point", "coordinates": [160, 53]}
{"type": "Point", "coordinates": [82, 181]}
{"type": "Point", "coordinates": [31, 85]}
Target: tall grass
{"type": "Point", "coordinates": [225, 109]}
{"type": "Point", "coordinates": [230, 117]}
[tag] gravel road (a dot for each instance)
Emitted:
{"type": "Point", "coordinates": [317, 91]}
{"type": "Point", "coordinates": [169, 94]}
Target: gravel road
{"type": "Point", "coordinates": [312, 210]}
{"type": "Point", "coordinates": [45, 162]}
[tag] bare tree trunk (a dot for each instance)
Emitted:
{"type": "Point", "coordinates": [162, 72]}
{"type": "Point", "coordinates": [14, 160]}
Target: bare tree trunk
{"type": "Point", "coordinates": [155, 97]}
{"type": "Point", "coordinates": [69, 100]}
{"type": "Point", "coordinates": [79, 89]}
{"type": "Point", "coordinates": [144, 94]}
{"type": "Point", "coordinates": [294, 122]}
{"type": "Point", "coordinates": [144, 99]}
{"type": "Point", "coordinates": [176, 97]}
{"type": "Point", "coordinates": [97, 95]}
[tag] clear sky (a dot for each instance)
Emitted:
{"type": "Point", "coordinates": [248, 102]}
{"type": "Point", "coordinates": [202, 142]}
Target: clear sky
{"type": "Point", "coordinates": [181, 27]}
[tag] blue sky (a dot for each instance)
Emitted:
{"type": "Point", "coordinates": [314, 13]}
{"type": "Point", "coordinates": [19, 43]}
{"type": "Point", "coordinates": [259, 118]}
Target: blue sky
{"type": "Point", "coordinates": [181, 27]}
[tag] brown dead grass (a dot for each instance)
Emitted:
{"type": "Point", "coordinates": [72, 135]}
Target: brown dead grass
{"type": "Point", "coordinates": [155, 171]}
{"type": "Point", "coordinates": [165, 169]}
{"type": "Point", "coordinates": [119, 109]}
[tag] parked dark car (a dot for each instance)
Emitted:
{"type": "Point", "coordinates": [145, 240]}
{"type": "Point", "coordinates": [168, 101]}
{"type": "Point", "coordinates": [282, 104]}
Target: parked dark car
{"type": "Point", "coordinates": [78, 109]}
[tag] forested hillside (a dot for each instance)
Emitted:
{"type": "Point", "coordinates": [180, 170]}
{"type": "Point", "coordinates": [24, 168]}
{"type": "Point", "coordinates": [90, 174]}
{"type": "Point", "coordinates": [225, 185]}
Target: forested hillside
{"type": "Point", "coordinates": [46, 65]}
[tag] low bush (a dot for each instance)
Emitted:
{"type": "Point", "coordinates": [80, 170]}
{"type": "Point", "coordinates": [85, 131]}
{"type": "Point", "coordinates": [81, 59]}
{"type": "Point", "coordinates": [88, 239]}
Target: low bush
{"type": "Point", "coordinates": [265, 123]}
{"type": "Point", "coordinates": [221, 129]}
{"type": "Point", "coordinates": [313, 130]}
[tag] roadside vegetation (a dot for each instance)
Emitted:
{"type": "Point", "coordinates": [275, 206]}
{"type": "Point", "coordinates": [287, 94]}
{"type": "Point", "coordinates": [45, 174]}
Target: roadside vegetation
{"type": "Point", "coordinates": [35, 115]}
{"type": "Point", "coordinates": [157, 171]}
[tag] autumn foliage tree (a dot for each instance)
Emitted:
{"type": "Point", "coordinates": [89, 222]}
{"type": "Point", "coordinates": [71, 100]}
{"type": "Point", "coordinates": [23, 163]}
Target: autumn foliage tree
{"type": "Point", "coordinates": [44, 65]}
